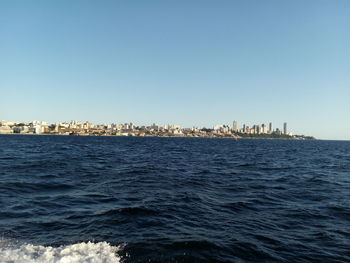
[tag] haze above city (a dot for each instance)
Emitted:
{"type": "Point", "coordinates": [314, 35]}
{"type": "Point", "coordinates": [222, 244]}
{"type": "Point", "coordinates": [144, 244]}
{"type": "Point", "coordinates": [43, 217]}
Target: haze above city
{"type": "Point", "coordinates": [190, 63]}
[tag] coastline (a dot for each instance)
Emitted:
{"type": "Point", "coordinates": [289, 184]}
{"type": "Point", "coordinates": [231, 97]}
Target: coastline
{"type": "Point", "coordinates": [165, 136]}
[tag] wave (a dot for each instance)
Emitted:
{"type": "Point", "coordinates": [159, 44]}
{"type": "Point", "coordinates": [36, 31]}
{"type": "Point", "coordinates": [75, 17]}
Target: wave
{"type": "Point", "coordinates": [133, 211]}
{"type": "Point", "coordinates": [88, 252]}
{"type": "Point", "coordinates": [35, 186]}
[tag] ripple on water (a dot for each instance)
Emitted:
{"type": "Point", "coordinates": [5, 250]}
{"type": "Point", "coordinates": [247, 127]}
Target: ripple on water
{"type": "Point", "coordinates": [173, 200]}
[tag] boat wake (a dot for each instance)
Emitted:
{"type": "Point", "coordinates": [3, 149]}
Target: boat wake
{"type": "Point", "coordinates": [81, 252]}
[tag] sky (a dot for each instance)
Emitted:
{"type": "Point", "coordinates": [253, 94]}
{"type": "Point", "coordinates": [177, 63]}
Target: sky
{"type": "Point", "coordinates": [191, 63]}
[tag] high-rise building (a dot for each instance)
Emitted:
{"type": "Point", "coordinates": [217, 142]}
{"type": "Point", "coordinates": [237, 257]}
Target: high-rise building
{"type": "Point", "coordinates": [270, 127]}
{"type": "Point", "coordinates": [285, 128]}
{"type": "Point", "coordinates": [235, 126]}
{"type": "Point", "coordinates": [258, 129]}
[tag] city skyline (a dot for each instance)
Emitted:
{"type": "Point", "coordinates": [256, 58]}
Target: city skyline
{"type": "Point", "coordinates": [75, 127]}
{"type": "Point", "coordinates": [191, 63]}
{"type": "Point", "coordinates": [235, 126]}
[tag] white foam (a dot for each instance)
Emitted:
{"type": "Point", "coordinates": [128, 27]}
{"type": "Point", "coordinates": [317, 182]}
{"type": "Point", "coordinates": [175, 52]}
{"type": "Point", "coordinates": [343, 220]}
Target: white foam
{"type": "Point", "coordinates": [89, 252]}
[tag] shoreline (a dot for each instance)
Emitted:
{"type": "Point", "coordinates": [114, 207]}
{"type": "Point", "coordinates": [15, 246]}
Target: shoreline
{"type": "Point", "coordinates": [155, 136]}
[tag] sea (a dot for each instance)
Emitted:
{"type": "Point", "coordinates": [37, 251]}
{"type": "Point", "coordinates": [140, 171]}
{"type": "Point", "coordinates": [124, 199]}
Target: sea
{"type": "Point", "coordinates": [70, 199]}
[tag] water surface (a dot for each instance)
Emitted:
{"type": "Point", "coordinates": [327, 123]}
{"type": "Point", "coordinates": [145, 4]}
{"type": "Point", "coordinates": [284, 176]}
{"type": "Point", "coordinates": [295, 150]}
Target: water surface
{"type": "Point", "coordinates": [133, 199]}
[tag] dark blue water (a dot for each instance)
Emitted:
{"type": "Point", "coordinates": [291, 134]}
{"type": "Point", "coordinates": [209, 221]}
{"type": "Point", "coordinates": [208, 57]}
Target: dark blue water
{"type": "Point", "coordinates": [174, 199]}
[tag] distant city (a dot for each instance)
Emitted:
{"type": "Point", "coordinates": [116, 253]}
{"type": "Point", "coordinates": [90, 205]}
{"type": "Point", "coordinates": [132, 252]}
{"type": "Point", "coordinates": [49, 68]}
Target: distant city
{"type": "Point", "coordinates": [130, 129]}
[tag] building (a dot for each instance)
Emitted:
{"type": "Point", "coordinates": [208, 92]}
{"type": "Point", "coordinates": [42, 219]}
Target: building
{"type": "Point", "coordinates": [235, 126]}
{"type": "Point", "coordinates": [5, 129]}
{"type": "Point", "coordinates": [258, 129]}
{"type": "Point", "coordinates": [285, 128]}
{"type": "Point", "coordinates": [270, 127]}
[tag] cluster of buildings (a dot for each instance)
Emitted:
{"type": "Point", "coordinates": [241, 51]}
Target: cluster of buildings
{"type": "Point", "coordinates": [34, 127]}
{"type": "Point", "coordinates": [129, 129]}
{"type": "Point", "coordinates": [88, 128]}
{"type": "Point", "coordinates": [260, 129]}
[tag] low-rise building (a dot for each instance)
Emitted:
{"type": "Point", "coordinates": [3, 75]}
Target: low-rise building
{"type": "Point", "coordinates": [6, 130]}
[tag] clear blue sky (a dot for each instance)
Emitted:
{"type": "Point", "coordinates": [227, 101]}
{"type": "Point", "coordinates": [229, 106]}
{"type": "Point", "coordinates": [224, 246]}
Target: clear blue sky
{"type": "Point", "coordinates": [184, 62]}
